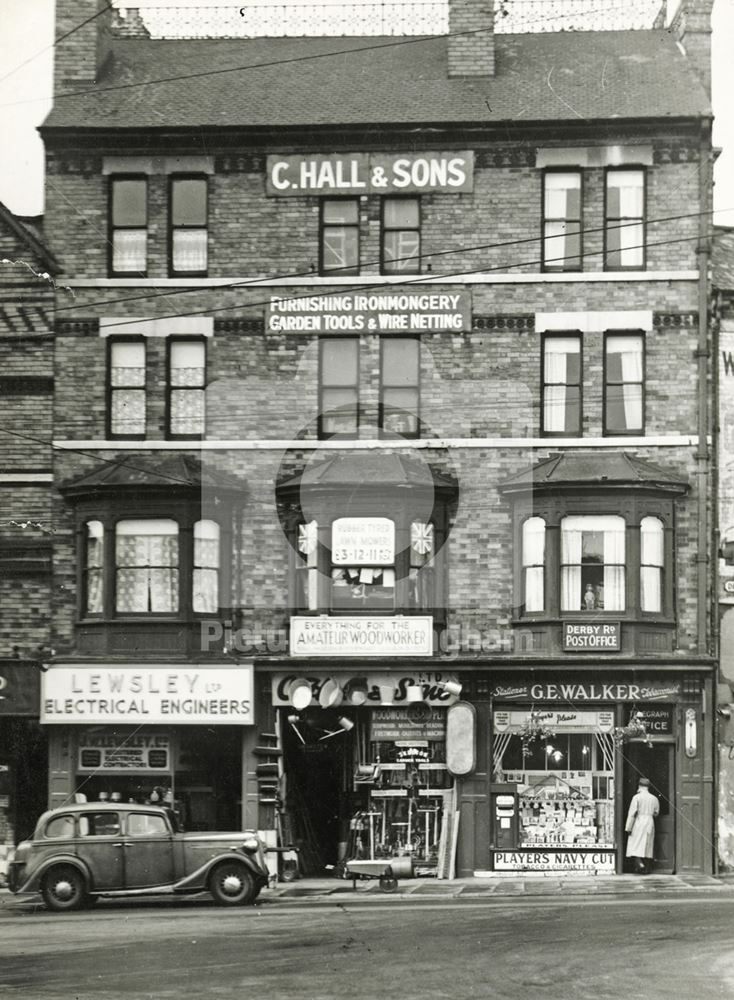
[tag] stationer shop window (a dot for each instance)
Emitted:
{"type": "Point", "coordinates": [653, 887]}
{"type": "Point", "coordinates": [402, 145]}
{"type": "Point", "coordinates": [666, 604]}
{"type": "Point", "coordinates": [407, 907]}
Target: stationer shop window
{"type": "Point", "coordinates": [339, 386]}
{"type": "Point", "coordinates": [651, 564]}
{"type": "Point", "coordinates": [94, 568]}
{"type": "Point", "coordinates": [126, 388]}
{"type": "Point", "coordinates": [401, 236]}
{"type": "Point", "coordinates": [339, 250]}
{"type": "Point", "coordinates": [128, 226]}
{"type": "Point", "coordinates": [623, 384]}
{"type": "Point", "coordinates": [400, 385]}
{"type": "Point", "coordinates": [146, 566]}
{"type": "Point", "coordinates": [188, 220]}
{"type": "Point", "coordinates": [206, 567]}
{"type": "Point", "coordinates": [533, 563]}
{"type": "Point", "coordinates": [625, 219]}
{"type": "Point", "coordinates": [562, 221]}
{"type": "Point", "coordinates": [593, 563]}
{"type": "Point", "coordinates": [561, 407]}
{"type": "Point", "coordinates": [186, 387]}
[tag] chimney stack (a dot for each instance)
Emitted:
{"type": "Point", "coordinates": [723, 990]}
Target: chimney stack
{"type": "Point", "coordinates": [691, 27]}
{"type": "Point", "coordinates": [471, 38]}
{"type": "Point", "coordinates": [79, 58]}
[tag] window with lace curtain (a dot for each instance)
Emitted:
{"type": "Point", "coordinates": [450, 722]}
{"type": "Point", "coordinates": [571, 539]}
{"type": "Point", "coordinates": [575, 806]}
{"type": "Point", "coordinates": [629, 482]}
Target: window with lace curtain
{"type": "Point", "coordinates": [186, 387]}
{"type": "Point", "coordinates": [146, 566]}
{"type": "Point", "coordinates": [94, 568]}
{"type": "Point", "coordinates": [206, 567]}
{"type": "Point", "coordinates": [624, 213]}
{"type": "Point", "coordinates": [593, 563]}
{"type": "Point", "coordinates": [128, 240]}
{"type": "Point", "coordinates": [188, 239]}
{"type": "Point", "coordinates": [126, 388]}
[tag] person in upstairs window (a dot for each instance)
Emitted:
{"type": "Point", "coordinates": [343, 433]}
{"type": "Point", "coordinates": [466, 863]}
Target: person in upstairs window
{"type": "Point", "coordinates": [640, 826]}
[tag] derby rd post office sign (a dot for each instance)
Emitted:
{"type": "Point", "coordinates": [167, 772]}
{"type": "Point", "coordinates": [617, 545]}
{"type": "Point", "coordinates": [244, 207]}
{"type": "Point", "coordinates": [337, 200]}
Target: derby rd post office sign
{"type": "Point", "coordinates": [370, 173]}
{"type": "Point", "coordinates": [192, 695]}
{"type": "Point", "coordinates": [591, 635]}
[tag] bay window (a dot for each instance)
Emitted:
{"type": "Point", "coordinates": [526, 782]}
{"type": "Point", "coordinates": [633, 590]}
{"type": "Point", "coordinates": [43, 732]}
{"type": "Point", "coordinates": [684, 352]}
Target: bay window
{"type": "Point", "coordinates": [146, 566]}
{"type": "Point", "coordinates": [533, 563]}
{"type": "Point", "coordinates": [651, 564]}
{"type": "Point", "coordinates": [593, 563]}
{"type": "Point", "coordinates": [94, 568]}
{"type": "Point", "coordinates": [206, 567]}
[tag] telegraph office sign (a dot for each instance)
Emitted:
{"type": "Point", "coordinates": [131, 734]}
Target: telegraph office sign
{"type": "Point", "coordinates": [370, 173]}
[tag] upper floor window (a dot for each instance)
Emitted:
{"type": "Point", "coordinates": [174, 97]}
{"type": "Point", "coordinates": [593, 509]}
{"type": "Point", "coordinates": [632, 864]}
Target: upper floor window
{"type": "Point", "coordinates": [206, 567]}
{"type": "Point", "coordinates": [562, 220]}
{"type": "Point", "coordinates": [339, 236]}
{"type": "Point", "coordinates": [93, 568]}
{"type": "Point", "coordinates": [623, 384]}
{"type": "Point", "coordinates": [561, 403]}
{"type": "Point", "coordinates": [625, 219]}
{"type": "Point", "coordinates": [401, 236]}
{"type": "Point", "coordinates": [128, 225]}
{"type": "Point", "coordinates": [593, 563]}
{"type": "Point", "coordinates": [186, 387]}
{"type": "Point", "coordinates": [126, 388]}
{"type": "Point", "coordinates": [533, 563]}
{"type": "Point", "coordinates": [188, 219]}
{"type": "Point", "coordinates": [338, 386]}
{"type": "Point", "coordinates": [146, 565]}
{"type": "Point", "coordinates": [652, 548]}
{"type": "Point", "coordinates": [400, 385]}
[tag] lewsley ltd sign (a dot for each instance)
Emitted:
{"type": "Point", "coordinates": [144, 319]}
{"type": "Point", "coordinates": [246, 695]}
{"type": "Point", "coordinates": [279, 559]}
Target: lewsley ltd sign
{"type": "Point", "coordinates": [396, 636]}
{"type": "Point", "coordinates": [370, 173]}
{"type": "Point", "coordinates": [191, 695]}
{"type": "Point", "coordinates": [591, 635]}
{"type": "Point", "coordinates": [582, 691]}
{"type": "Point", "coordinates": [359, 312]}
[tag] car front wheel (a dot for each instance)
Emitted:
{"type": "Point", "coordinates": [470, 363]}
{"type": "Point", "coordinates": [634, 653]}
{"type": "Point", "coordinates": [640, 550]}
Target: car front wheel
{"type": "Point", "coordinates": [232, 885]}
{"type": "Point", "coordinates": [63, 889]}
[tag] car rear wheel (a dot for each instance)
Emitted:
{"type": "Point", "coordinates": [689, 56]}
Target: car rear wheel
{"type": "Point", "coordinates": [63, 889]}
{"type": "Point", "coordinates": [232, 885]}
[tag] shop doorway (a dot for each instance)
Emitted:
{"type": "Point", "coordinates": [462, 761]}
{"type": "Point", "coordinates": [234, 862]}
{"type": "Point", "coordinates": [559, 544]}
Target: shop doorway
{"type": "Point", "coordinates": [655, 761]}
{"type": "Point", "coordinates": [318, 764]}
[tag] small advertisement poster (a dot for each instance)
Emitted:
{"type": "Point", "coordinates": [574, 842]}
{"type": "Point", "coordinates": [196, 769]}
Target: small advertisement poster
{"type": "Point", "coordinates": [399, 636]}
{"type": "Point", "coordinates": [133, 753]}
{"type": "Point", "coordinates": [363, 541]}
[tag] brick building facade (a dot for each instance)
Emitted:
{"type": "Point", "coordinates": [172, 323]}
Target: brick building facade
{"type": "Point", "coordinates": [382, 484]}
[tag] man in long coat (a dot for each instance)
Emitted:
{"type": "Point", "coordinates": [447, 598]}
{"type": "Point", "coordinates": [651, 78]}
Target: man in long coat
{"type": "Point", "coordinates": [640, 825]}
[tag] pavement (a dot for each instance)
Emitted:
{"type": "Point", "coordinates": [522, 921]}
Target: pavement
{"type": "Point", "coordinates": [534, 885]}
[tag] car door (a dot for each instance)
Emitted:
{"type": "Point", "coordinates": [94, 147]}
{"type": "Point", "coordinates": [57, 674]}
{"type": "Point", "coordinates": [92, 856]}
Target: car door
{"type": "Point", "coordinates": [100, 847]}
{"type": "Point", "coordinates": [148, 851]}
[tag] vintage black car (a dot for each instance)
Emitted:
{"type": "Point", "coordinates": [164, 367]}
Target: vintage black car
{"type": "Point", "coordinates": [81, 852]}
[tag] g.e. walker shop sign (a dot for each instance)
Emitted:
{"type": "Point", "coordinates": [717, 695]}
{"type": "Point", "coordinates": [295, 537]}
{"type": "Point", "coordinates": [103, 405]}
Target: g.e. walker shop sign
{"type": "Point", "coordinates": [370, 173]}
{"type": "Point", "coordinates": [358, 312]}
{"type": "Point", "coordinates": [411, 635]}
{"type": "Point", "coordinates": [579, 691]}
{"type": "Point", "coordinates": [191, 695]}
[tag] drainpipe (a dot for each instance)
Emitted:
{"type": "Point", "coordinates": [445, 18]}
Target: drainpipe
{"type": "Point", "coordinates": [703, 354]}
{"type": "Point", "coordinates": [715, 609]}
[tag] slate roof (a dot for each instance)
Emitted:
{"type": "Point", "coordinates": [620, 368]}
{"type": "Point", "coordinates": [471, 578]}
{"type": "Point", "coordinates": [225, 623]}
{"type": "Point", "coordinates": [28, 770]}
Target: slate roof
{"type": "Point", "coordinates": [28, 230]}
{"type": "Point", "coordinates": [370, 469]}
{"type": "Point", "coordinates": [596, 470]}
{"type": "Point", "coordinates": [723, 258]}
{"type": "Point", "coordinates": [178, 471]}
{"type": "Point", "coordinates": [281, 82]}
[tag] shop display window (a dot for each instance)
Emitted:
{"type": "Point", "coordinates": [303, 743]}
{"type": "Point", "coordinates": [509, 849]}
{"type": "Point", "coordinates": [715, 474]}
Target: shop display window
{"type": "Point", "coordinates": [565, 780]}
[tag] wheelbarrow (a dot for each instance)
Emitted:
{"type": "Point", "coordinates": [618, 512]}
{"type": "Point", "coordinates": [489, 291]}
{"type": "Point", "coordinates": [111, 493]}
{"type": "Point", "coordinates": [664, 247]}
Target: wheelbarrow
{"type": "Point", "coordinates": [387, 870]}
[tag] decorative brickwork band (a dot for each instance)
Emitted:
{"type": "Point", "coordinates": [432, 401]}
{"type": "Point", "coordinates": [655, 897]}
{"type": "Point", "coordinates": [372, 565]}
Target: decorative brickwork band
{"type": "Point", "coordinates": [250, 163]}
{"type": "Point", "coordinates": [675, 321]}
{"type": "Point", "coordinates": [74, 163]}
{"type": "Point", "coordinates": [23, 319]}
{"type": "Point", "coordinates": [521, 324]}
{"type": "Point", "coordinates": [674, 153]}
{"type": "Point", "coordinates": [77, 327]}
{"type": "Point", "coordinates": [505, 156]}
{"type": "Point", "coordinates": [239, 325]}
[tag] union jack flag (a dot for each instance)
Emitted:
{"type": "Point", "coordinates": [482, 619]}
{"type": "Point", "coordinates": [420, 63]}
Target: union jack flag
{"type": "Point", "coordinates": [421, 538]}
{"type": "Point", "coordinates": [307, 537]}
